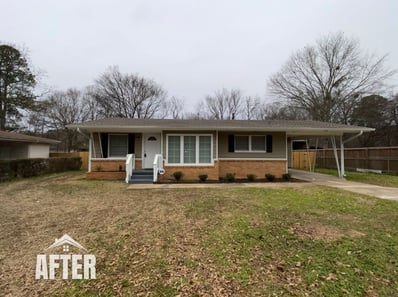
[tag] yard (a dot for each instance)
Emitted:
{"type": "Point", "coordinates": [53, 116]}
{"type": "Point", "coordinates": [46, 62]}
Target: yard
{"type": "Point", "coordinates": [297, 240]}
{"type": "Point", "coordinates": [384, 180]}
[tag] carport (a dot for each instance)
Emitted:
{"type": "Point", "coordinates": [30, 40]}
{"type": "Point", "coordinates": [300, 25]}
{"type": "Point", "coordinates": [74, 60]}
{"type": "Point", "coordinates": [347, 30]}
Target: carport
{"type": "Point", "coordinates": [338, 135]}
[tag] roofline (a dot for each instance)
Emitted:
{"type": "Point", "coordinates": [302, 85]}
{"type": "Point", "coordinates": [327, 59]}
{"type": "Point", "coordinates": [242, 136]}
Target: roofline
{"type": "Point", "coordinates": [49, 141]}
{"type": "Point", "coordinates": [96, 128]}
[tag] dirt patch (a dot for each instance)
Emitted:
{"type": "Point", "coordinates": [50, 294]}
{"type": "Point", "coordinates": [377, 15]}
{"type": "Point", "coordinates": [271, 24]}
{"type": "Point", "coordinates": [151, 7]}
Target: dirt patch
{"type": "Point", "coordinates": [322, 232]}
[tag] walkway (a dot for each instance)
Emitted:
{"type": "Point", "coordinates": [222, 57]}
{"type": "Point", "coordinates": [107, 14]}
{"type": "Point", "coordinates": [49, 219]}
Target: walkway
{"type": "Point", "coordinates": [275, 185]}
{"type": "Point", "coordinates": [355, 187]}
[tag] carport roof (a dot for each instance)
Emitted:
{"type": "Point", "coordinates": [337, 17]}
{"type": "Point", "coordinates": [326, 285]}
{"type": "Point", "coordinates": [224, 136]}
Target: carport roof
{"type": "Point", "coordinates": [289, 126]}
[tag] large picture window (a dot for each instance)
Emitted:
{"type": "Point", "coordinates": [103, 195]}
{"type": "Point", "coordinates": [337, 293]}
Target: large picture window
{"type": "Point", "coordinates": [118, 145]}
{"type": "Point", "coordinates": [189, 149]}
{"type": "Point", "coordinates": [250, 143]}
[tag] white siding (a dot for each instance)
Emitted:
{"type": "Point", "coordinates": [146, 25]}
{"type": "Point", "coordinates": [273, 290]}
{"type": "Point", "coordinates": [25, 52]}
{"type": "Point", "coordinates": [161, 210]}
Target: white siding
{"type": "Point", "coordinates": [39, 151]}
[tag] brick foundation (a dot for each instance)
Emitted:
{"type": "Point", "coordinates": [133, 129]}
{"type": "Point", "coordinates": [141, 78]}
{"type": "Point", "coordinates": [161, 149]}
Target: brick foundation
{"type": "Point", "coordinates": [108, 165]}
{"type": "Point", "coordinates": [192, 172]}
{"type": "Point", "coordinates": [109, 169]}
{"type": "Point", "coordinates": [106, 175]}
{"type": "Point", "coordinates": [241, 168]}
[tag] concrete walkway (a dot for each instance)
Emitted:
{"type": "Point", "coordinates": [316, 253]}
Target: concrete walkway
{"type": "Point", "coordinates": [355, 187]}
{"type": "Point", "coordinates": [216, 185]}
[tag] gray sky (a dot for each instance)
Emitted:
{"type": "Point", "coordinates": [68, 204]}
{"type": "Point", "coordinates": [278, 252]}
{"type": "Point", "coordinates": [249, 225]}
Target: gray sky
{"type": "Point", "coordinates": [190, 47]}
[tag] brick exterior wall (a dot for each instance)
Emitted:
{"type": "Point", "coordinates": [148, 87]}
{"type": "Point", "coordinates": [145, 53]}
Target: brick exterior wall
{"type": "Point", "coordinates": [192, 172]}
{"type": "Point", "coordinates": [241, 168]}
{"type": "Point", "coordinates": [108, 165]}
{"type": "Point", "coordinates": [109, 169]}
{"type": "Point", "coordinates": [106, 175]}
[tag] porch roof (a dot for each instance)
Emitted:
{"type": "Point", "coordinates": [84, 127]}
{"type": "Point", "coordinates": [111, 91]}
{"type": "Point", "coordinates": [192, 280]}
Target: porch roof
{"type": "Point", "coordinates": [291, 127]}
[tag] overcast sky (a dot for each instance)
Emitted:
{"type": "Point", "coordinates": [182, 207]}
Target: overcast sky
{"type": "Point", "coordinates": [192, 47]}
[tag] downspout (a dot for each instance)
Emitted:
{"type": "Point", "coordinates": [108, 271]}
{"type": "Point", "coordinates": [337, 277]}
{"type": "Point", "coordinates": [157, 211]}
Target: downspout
{"type": "Point", "coordinates": [353, 137]}
{"type": "Point", "coordinates": [80, 132]}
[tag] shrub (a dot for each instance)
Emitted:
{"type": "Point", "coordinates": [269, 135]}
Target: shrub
{"type": "Point", "coordinates": [287, 176]}
{"type": "Point", "coordinates": [178, 175]}
{"type": "Point", "coordinates": [203, 177]}
{"type": "Point", "coordinates": [270, 177]}
{"type": "Point", "coordinates": [251, 177]}
{"type": "Point", "coordinates": [34, 167]}
{"type": "Point", "coordinates": [230, 177]}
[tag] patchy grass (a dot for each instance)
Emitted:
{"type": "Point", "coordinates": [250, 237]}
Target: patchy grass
{"type": "Point", "coordinates": [384, 180]}
{"type": "Point", "coordinates": [301, 241]}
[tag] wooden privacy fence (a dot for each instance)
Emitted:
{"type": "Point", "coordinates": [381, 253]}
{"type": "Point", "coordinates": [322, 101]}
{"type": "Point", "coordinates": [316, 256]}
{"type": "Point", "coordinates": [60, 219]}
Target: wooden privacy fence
{"type": "Point", "coordinates": [82, 155]}
{"type": "Point", "coordinates": [375, 158]}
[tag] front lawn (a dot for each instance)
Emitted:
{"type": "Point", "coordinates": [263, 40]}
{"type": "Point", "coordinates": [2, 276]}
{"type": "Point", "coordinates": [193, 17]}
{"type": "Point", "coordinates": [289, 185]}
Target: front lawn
{"type": "Point", "coordinates": [297, 240]}
{"type": "Point", "coordinates": [384, 180]}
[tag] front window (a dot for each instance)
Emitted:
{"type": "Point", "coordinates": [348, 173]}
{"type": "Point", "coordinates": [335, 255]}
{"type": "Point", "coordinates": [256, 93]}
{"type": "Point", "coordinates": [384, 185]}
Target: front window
{"type": "Point", "coordinates": [242, 143]}
{"type": "Point", "coordinates": [250, 143]}
{"type": "Point", "coordinates": [189, 149]}
{"type": "Point", "coordinates": [204, 149]}
{"type": "Point", "coordinates": [174, 149]}
{"type": "Point", "coordinates": [118, 145]}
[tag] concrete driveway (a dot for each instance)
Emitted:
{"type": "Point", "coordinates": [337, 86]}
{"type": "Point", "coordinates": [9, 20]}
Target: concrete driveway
{"type": "Point", "coordinates": [333, 181]}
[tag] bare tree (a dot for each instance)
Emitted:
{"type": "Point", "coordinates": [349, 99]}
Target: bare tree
{"type": "Point", "coordinates": [224, 104]}
{"type": "Point", "coordinates": [172, 108]}
{"type": "Point", "coordinates": [128, 95]}
{"type": "Point", "coordinates": [90, 104]}
{"type": "Point", "coordinates": [280, 111]}
{"type": "Point", "coordinates": [200, 112]}
{"type": "Point", "coordinates": [59, 109]}
{"type": "Point", "coordinates": [251, 105]}
{"type": "Point", "coordinates": [329, 78]}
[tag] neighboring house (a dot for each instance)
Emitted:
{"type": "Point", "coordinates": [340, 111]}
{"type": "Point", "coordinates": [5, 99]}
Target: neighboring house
{"type": "Point", "coordinates": [19, 146]}
{"type": "Point", "coordinates": [212, 147]}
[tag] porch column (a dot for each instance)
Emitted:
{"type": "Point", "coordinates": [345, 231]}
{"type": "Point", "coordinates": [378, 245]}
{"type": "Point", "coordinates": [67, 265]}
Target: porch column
{"type": "Point", "coordinates": [90, 143]}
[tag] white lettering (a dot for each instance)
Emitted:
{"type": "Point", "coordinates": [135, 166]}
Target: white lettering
{"type": "Point", "coordinates": [65, 263]}
{"type": "Point", "coordinates": [41, 267]}
{"type": "Point", "coordinates": [53, 265]}
{"type": "Point", "coordinates": [79, 269]}
{"type": "Point", "coordinates": [76, 266]}
{"type": "Point", "coordinates": [89, 267]}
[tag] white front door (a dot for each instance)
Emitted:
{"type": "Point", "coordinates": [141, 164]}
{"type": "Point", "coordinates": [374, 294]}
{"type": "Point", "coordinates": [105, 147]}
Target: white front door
{"type": "Point", "coordinates": [151, 148]}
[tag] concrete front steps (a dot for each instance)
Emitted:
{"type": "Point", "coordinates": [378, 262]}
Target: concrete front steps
{"type": "Point", "coordinates": [142, 176]}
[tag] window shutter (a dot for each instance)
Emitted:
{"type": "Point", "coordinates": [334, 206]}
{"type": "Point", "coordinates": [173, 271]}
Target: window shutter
{"type": "Point", "coordinates": [104, 143]}
{"type": "Point", "coordinates": [269, 143]}
{"type": "Point", "coordinates": [231, 143]}
{"type": "Point", "coordinates": [131, 144]}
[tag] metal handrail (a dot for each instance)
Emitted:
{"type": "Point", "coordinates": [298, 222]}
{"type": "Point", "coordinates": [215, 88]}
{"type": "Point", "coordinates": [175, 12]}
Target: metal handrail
{"type": "Point", "coordinates": [157, 166]}
{"type": "Point", "coordinates": [130, 166]}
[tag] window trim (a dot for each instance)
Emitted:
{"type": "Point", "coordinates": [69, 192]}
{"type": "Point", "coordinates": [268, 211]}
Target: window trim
{"type": "Point", "coordinates": [196, 150]}
{"type": "Point", "coordinates": [250, 144]}
{"type": "Point", "coordinates": [109, 145]}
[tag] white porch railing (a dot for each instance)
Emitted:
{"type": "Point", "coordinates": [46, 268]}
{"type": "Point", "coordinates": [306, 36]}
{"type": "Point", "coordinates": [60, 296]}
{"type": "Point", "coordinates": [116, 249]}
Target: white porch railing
{"type": "Point", "coordinates": [157, 166]}
{"type": "Point", "coordinates": [130, 166]}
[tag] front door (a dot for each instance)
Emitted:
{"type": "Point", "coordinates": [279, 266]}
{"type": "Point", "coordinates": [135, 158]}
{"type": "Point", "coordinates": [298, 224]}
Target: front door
{"type": "Point", "coordinates": [151, 148]}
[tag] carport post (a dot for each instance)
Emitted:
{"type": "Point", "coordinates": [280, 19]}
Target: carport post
{"type": "Point", "coordinates": [342, 170]}
{"type": "Point", "coordinates": [333, 139]}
